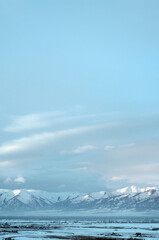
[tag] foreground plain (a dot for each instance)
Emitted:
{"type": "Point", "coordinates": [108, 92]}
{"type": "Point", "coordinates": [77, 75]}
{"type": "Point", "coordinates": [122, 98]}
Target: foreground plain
{"type": "Point", "coordinates": [78, 228]}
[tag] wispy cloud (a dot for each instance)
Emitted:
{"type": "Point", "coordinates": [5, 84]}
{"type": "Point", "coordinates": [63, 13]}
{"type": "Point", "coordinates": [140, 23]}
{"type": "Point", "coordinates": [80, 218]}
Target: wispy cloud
{"type": "Point", "coordinates": [36, 140]}
{"type": "Point", "coordinates": [107, 148]}
{"type": "Point", "coordinates": [41, 120]}
{"type": "Point", "coordinates": [5, 164]}
{"type": "Point", "coordinates": [79, 150]}
{"type": "Point", "coordinates": [87, 148]}
{"type": "Point", "coordinates": [115, 178]}
{"type": "Point", "coordinates": [110, 147]}
{"type": "Point", "coordinates": [31, 121]}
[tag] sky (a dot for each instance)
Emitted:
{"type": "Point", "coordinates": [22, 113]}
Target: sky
{"type": "Point", "coordinates": [79, 102]}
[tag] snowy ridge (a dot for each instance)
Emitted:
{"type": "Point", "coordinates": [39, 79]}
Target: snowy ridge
{"type": "Point", "coordinates": [135, 198]}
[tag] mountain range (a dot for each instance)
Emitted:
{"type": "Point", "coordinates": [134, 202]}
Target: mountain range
{"type": "Point", "coordinates": [128, 198]}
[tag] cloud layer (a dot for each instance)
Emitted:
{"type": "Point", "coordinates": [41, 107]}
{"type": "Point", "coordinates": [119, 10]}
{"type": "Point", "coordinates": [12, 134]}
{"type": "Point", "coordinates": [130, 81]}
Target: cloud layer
{"type": "Point", "coordinates": [95, 154]}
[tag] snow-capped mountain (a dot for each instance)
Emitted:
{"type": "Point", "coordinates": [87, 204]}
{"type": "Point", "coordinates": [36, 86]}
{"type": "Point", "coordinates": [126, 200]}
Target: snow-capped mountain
{"type": "Point", "coordinates": [128, 198]}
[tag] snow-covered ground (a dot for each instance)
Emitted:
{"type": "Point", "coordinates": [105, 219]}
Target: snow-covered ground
{"type": "Point", "coordinates": [78, 228]}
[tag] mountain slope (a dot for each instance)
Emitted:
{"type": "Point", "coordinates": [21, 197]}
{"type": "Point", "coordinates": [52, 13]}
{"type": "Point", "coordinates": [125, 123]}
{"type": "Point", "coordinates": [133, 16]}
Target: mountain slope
{"type": "Point", "coordinates": [129, 198]}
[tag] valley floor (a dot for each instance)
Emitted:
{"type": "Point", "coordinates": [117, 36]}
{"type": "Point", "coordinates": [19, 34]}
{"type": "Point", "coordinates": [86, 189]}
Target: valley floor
{"type": "Point", "coordinates": [78, 229]}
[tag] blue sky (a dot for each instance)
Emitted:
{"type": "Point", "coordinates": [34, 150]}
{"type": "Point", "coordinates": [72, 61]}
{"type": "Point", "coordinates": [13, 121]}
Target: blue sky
{"type": "Point", "coordinates": [79, 94]}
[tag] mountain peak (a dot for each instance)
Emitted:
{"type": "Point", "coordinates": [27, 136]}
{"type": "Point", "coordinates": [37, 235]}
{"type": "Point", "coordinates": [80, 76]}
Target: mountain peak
{"type": "Point", "coordinates": [17, 192]}
{"type": "Point", "coordinates": [127, 198]}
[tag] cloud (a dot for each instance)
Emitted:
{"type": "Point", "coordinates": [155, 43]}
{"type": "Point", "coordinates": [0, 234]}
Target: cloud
{"type": "Point", "coordinates": [86, 148]}
{"type": "Point", "coordinates": [82, 169]}
{"type": "Point", "coordinates": [31, 121]}
{"type": "Point", "coordinates": [37, 140]}
{"type": "Point", "coordinates": [79, 150]}
{"type": "Point", "coordinates": [53, 156]}
{"type": "Point", "coordinates": [40, 120]}
{"type": "Point", "coordinates": [117, 178]}
{"type": "Point", "coordinates": [19, 179]}
{"type": "Point", "coordinates": [77, 169]}
{"type": "Point", "coordinates": [109, 147]}
{"type": "Point", "coordinates": [5, 164]}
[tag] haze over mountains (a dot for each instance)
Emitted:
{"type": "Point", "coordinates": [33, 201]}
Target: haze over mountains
{"type": "Point", "coordinates": [128, 198]}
